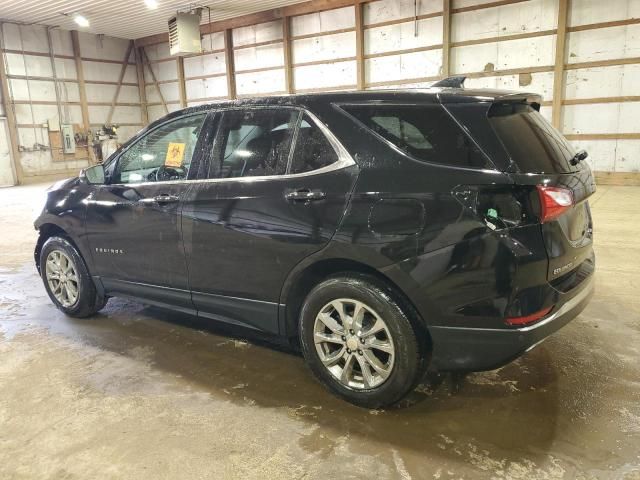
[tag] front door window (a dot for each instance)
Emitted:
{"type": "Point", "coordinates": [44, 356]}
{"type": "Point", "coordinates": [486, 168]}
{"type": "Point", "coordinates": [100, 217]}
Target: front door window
{"type": "Point", "coordinates": [163, 154]}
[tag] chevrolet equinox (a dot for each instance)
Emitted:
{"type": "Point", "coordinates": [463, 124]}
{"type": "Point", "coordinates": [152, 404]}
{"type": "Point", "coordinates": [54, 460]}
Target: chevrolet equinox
{"type": "Point", "coordinates": [383, 232]}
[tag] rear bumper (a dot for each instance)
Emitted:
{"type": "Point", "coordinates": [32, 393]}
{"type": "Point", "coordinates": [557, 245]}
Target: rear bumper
{"type": "Point", "coordinates": [476, 349]}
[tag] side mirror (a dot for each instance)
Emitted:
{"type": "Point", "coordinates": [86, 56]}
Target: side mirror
{"type": "Point", "coordinates": [93, 175]}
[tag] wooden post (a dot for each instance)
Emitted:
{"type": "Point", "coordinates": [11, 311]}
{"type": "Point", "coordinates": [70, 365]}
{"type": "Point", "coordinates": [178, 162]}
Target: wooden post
{"type": "Point", "coordinates": [558, 69]}
{"type": "Point", "coordinates": [182, 87]}
{"type": "Point", "coordinates": [11, 120]}
{"type": "Point", "coordinates": [84, 106]}
{"type": "Point", "coordinates": [229, 60]}
{"type": "Point", "coordinates": [142, 89]}
{"type": "Point", "coordinates": [123, 71]}
{"type": "Point", "coordinates": [361, 80]}
{"type": "Point", "coordinates": [286, 46]}
{"type": "Point", "coordinates": [81, 85]}
{"type": "Point", "coordinates": [446, 37]}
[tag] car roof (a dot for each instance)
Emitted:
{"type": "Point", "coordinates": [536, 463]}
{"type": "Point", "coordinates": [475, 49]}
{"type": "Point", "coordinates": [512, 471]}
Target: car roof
{"type": "Point", "coordinates": [417, 95]}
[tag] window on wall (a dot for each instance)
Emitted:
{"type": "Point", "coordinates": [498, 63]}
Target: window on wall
{"type": "Point", "coordinates": [425, 133]}
{"type": "Point", "coordinates": [254, 143]}
{"type": "Point", "coordinates": [162, 154]}
{"type": "Point", "coordinates": [313, 150]}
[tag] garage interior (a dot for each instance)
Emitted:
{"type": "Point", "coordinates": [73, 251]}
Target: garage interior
{"type": "Point", "coordinates": [137, 392]}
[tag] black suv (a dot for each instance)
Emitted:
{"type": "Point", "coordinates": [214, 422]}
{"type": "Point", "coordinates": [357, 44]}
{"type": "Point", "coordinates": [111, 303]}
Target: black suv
{"type": "Point", "coordinates": [384, 232]}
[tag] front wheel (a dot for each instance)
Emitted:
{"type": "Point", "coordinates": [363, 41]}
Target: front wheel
{"type": "Point", "coordinates": [67, 279]}
{"type": "Point", "coordinates": [359, 342]}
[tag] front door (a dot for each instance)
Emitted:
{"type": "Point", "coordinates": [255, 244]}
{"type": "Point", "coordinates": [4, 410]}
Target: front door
{"type": "Point", "coordinates": [134, 223]}
{"type": "Point", "coordinates": [277, 191]}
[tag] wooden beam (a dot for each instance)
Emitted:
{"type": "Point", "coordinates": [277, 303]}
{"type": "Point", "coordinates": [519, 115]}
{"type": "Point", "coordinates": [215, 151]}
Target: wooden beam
{"type": "Point", "coordinates": [11, 120]}
{"type": "Point", "coordinates": [155, 81]}
{"type": "Point", "coordinates": [446, 37]}
{"type": "Point", "coordinates": [402, 52]}
{"type": "Point", "coordinates": [288, 60]}
{"type": "Point", "coordinates": [603, 63]}
{"type": "Point", "coordinates": [618, 178]}
{"type": "Point", "coordinates": [319, 62]}
{"type": "Point", "coordinates": [258, 44]}
{"type": "Point", "coordinates": [142, 89]}
{"type": "Point", "coordinates": [614, 23]}
{"type": "Point", "coordinates": [558, 69]}
{"type": "Point", "coordinates": [499, 3]}
{"type": "Point", "coordinates": [504, 38]}
{"type": "Point", "coordinates": [405, 81]}
{"type": "Point", "coordinates": [123, 71]}
{"type": "Point", "coordinates": [360, 62]}
{"type": "Point", "coordinates": [229, 60]}
{"type": "Point", "coordinates": [321, 34]}
{"type": "Point", "coordinates": [397, 21]}
{"type": "Point", "coordinates": [333, 88]}
{"type": "Point", "coordinates": [589, 101]}
{"type": "Point", "coordinates": [602, 136]}
{"type": "Point", "coordinates": [182, 87]}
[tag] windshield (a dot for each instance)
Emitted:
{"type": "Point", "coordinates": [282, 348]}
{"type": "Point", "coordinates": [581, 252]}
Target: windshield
{"type": "Point", "coordinates": [531, 142]}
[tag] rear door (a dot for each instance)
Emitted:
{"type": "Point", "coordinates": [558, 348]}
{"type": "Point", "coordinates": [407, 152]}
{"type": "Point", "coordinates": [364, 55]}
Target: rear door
{"type": "Point", "coordinates": [277, 187]}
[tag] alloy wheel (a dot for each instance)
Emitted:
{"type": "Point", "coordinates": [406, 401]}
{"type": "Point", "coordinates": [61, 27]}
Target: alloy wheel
{"type": "Point", "coordinates": [62, 278]}
{"type": "Point", "coordinates": [354, 343]}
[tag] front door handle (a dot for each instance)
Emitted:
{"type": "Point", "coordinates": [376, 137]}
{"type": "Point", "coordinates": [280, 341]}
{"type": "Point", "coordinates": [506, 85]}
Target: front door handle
{"type": "Point", "coordinates": [305, 195]}
{"type": "Point", "coordinates": [162, 199]}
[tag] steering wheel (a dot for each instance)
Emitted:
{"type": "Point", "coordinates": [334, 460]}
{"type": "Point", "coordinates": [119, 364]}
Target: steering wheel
{"type": "Point", "coordinates": [164, 173]}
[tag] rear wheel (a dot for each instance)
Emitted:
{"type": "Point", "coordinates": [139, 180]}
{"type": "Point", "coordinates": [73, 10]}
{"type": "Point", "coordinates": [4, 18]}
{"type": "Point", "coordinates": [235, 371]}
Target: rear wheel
{"type": "Point", "coordinates": [359, 342]}
{"type": "Point", "coordinates": [67, 279]}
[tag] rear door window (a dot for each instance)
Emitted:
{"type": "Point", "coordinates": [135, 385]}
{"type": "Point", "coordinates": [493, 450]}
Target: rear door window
{"type": "Point", "coordinates": [424, 132]}
{"type": "Point", "coordinates": [532, 143]}
{"type": "Point", "coordinates": [253, 143]}
{"type": "Point", "coordinates": [313, 150]}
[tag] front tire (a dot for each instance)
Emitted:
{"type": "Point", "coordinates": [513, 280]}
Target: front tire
{"type": "Point", "coordinates": [67, 280]}
{"type": "Point", "coordinates": [359, 342]}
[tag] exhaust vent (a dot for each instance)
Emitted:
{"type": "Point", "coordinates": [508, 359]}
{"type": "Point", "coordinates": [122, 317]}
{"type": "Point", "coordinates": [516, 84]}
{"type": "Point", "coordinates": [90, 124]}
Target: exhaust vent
{"type": "Point", "coordinates": [184, 34]}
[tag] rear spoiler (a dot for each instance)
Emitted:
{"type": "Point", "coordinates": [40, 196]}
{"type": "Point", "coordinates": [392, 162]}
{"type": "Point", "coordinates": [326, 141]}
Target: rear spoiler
{"type": "Point", "coordinates": [495, 96]}
{"type": "Point", "coordinates": [451, 82]}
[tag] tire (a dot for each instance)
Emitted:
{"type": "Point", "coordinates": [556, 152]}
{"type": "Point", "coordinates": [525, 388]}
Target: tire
{"type": "Point", "coordinates": [402, 366]}
{"type": "Point", "coordinates": [86, 301]}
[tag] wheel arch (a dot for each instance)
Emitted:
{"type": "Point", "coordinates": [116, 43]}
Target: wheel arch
{"type": "Point", "coordinates": [46, 231]}
{"type": "Point", "coordinates": [300, 283]}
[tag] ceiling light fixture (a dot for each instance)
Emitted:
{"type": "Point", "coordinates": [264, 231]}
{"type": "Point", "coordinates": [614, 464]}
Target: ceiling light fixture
{"type": "Point", "coordinates": [151, 4]}
{"type": "Point", "coordinates": [81, 20]}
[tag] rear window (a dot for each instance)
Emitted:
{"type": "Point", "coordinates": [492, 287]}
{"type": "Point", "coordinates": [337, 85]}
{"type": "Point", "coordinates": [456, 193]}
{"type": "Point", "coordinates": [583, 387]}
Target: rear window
{"type": "Point", "coordinates": [531, 142]}
{"type": "Point", "coordinates": [426, 133]}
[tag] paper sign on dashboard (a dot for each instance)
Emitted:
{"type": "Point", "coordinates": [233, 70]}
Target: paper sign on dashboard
{"type": "Point", "coordinates": [175, 155]}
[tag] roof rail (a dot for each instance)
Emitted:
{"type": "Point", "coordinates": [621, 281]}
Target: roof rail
{"type": "Point", "coordinates": [451, 82]}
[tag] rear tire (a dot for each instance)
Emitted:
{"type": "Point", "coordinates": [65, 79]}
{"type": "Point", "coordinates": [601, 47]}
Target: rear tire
{"type": "Point", "coordinates": [359, 342]}
{"type": "Point", "coordinates": [67, 280]}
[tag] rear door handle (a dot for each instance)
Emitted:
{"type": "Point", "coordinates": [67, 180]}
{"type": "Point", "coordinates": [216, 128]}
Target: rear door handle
{"type": "Point", "coordinates": [305, 195]}
{"type": "Point", "coordinates": [162, 199]}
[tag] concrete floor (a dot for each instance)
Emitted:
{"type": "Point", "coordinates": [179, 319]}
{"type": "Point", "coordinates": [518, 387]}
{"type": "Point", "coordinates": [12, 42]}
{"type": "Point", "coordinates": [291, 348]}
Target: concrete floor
{"type": "Point", "coordinates": [140, 393]}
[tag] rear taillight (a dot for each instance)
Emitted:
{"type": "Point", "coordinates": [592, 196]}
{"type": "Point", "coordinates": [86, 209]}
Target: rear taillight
{"type": "Point", "coordinates": [554, 201]}
{"type": "Point", "coordinates": [528, 319]}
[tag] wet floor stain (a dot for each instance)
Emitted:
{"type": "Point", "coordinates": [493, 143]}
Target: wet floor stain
{"type": "Point", "coordinates": [568, 409]}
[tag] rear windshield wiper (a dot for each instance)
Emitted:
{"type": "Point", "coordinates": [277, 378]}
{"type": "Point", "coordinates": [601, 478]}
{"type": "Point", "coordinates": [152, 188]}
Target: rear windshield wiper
{"type": "Point", "coordinates": [578, 157]}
